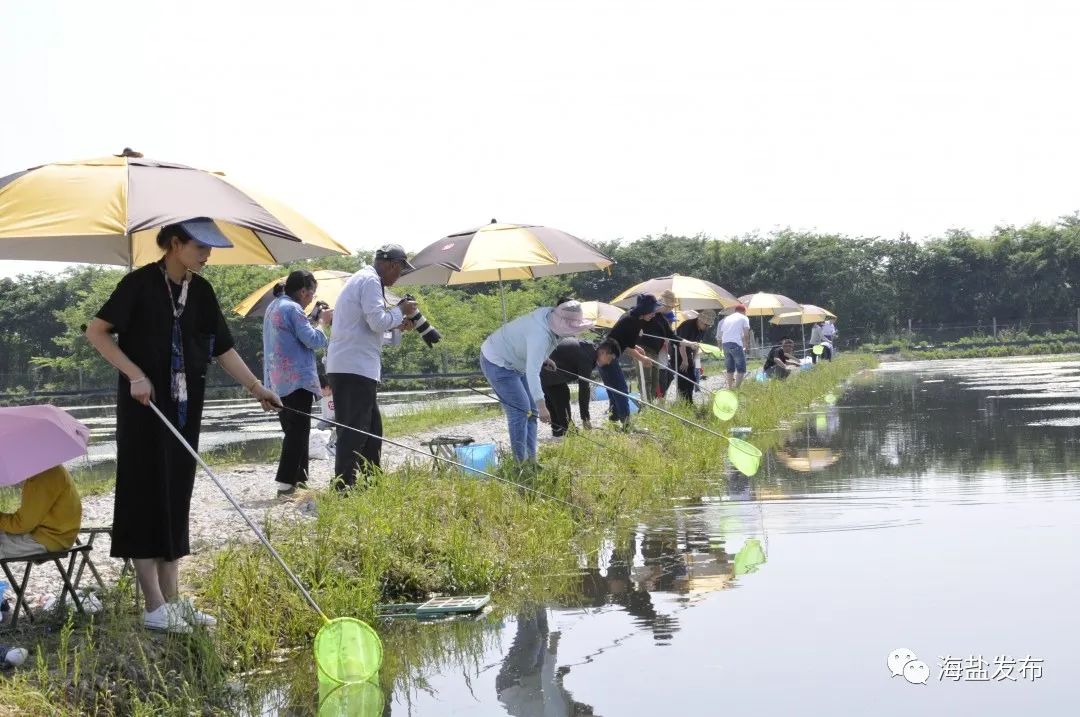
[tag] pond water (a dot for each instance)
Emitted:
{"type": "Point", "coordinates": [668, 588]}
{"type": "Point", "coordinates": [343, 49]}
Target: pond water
{"type": "Point", "coordinates": [935, 507]}
{"type": "Point", "coordinates": [240, 425]}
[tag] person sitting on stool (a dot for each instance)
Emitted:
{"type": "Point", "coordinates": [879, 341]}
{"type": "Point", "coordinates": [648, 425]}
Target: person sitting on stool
{"type": "Point", "coordinates": [48, 518]}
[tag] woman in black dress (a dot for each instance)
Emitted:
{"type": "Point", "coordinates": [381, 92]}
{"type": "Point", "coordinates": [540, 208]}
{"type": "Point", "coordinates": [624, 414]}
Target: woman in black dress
{"type": "Point", "coordinates": [169, 327]}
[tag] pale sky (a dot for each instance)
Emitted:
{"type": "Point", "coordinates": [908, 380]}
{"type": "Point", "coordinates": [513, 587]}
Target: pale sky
{"type": "Point", "coordinates": [407, 120]}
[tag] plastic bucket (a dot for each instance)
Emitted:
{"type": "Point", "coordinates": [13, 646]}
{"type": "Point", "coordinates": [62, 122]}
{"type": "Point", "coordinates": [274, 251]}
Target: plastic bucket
{"type": "Point", "coordinates": [634, 398]}
{"type": "Point", "coordinates": [478, 457]}
{"type": "Point", "coordinates": [599, 393]}
{"type": "Point", "coordinates": [347, 651]}
{"type": "Point", "coordinates": [355, 699]}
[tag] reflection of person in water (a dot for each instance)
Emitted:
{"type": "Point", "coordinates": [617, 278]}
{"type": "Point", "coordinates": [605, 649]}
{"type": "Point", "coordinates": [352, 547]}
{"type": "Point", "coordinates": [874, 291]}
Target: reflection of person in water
{"type": "Point", "coordinates": [529, 685]}
{"type": "Point", "coordinates": [739, 486]}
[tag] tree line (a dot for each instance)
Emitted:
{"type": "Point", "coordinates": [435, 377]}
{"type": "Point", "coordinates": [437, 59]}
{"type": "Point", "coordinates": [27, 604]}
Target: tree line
{"type": "Point", "coordinates": [875, 285]}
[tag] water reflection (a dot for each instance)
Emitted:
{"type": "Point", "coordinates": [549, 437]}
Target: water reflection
{"type": "Point", "coordinates": [529, 683]}
{"type": "Point", "coordinates": [890, 517]}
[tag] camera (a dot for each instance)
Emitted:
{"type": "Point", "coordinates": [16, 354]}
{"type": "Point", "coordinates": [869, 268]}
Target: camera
{"type": "Point", "coordinates": [317, 311]}
{"type": "Point", "coordinates": [428, 333]}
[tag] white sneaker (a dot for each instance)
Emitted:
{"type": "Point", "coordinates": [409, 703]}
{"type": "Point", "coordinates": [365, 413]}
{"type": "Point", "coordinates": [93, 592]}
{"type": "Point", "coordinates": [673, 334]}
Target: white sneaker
{"type": "Point", "coordinates": [166, 618]}
{"type": "Point", "coordinates": [193, 616]}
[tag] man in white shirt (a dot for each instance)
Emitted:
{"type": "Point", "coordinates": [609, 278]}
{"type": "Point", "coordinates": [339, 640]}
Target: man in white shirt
{"type": "Point", "coordinates": [354, 361]}
{"type": "Point", "coordinates": [733, 333]}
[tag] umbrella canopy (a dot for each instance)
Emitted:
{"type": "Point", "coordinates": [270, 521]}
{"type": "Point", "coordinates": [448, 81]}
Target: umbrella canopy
{"type": "Point", "coordinates": [809, 314]}
{"type": "Point", "coordinates": [765, 304]}
{"type": "Point", "coordinates": [108, 211]}
{"type": "Point", "coordinates": [807, 460]}
{"type": "Point", "coordinates": [691, 293]}
{"type": "Point", "coordinates": [330, 285]}
{"type": "Point", "coordinates": [498, 251]}
{"type": "Point", "coordinates": [36, 438]}
{"type": "Point", "coordinates": [604, 315]}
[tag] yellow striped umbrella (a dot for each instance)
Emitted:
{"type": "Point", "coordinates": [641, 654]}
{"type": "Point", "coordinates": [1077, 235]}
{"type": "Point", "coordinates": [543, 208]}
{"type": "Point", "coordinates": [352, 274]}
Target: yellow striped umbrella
{"type": "Point", "coordinates": [498, 252]}
{"type": "Point", "coordinates": [691, 293]}
{"type": "Point", "coordinates": [604, 315]}
{"type": "Point", "coordinates": [764, 304]}
{"type": "Point", "coordinates": [108, 211]}
{"type": "Point", "coordinates": [809, 314]}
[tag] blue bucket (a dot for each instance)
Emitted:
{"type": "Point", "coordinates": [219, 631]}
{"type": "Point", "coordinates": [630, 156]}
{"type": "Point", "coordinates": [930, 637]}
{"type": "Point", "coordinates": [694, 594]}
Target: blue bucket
{"type": "Point", "coordinates": [478, 456]}
{"type": "Point", "coordinates": [599, 393]}
{"type": "Point", "coordinates": [634, 403]}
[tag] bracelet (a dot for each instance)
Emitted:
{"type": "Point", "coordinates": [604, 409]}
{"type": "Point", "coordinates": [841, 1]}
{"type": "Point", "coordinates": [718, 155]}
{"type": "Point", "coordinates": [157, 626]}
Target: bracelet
{"type": "Point", "coordinates": [251, 388]}
{"type": "Point", "coordinates": [137, 380]}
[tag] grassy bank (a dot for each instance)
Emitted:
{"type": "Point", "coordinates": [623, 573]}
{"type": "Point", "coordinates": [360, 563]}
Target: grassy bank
{"type": "Point", "coordinates": [1005, 343]}
{"type": "Point", "coordinates": [410, 535]}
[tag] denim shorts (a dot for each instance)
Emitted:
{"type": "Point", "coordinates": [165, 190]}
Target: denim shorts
{"type": "Point", "coordinates": [734, 358]}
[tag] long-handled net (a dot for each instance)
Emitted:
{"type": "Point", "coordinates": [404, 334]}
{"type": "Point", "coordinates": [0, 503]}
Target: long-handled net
{"type": "Point", "coordinates": [347, 650]}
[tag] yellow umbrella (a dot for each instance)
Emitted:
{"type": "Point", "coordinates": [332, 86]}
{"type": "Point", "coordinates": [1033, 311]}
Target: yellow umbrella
{"type": "Point", "coordinates": [500, 251]}
{"type": "Point", "coordinates": [808, 460]}
{"type": "Point", "coordinates": [108, 211]}
{"type": "Point", "coordinates": [809, 314]}
{"type": "Point", "coordinates": [330, 285]}
{"type": "Point", "coordinates": [605, 315]}
{"type": "Point", "coordinates": [690, 293]}
{"type": "Point", "coordinates": [764, 304]}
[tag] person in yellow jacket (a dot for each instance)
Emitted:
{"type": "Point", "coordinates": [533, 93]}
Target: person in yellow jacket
{"type": "Point", "coordinates": [48, 518]}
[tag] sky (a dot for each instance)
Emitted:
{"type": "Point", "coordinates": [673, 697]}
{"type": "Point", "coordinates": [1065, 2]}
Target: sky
{"type": "Point", "coordinates": [408, 120]}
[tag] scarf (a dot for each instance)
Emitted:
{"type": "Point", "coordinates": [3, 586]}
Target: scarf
{"type": "Point", "coordinates": [178, 384]}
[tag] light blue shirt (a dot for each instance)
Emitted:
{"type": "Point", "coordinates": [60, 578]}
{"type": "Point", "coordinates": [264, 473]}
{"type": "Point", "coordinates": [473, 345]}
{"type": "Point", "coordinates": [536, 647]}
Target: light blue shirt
{"type": "Point", "coordinates": [522, 345]}
{"type": "Point", "coordinates": [289, 343]}
{"type": "Point", "coordinates": [361, 319]}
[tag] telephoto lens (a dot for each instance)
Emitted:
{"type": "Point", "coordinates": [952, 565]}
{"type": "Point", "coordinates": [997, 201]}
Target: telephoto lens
{"type": "Point", "coordinates": [428, 333]}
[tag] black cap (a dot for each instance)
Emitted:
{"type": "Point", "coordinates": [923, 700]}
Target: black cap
{"type": "Point", "coordinates": [394, 252]}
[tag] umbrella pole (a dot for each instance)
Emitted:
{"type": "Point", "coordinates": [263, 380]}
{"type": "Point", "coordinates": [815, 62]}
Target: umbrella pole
{"type": "Point", "coordinates": [502, 296]}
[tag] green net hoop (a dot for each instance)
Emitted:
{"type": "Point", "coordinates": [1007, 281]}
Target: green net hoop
{"type": "Point", "coordinates": [724, 405]}
{"type": "Point", "coordinates": [744, 456]}
{"type": "Point", "coordinates": [347, 651]}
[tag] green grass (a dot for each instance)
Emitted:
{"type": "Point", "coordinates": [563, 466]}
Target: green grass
{"type": "Point", "coordinates": [413, 534]}
{"type": "Point", "coordinates": [991, 351]}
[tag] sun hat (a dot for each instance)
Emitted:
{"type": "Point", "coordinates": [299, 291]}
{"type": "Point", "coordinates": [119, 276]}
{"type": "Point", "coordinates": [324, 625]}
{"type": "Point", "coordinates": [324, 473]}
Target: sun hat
{"type": "Point", "coordinates": [646, 304]}
{"type": "Point", "coordinates": [690, 315]}
{"type": "Point", "coordinates": [667, 298]}
{"type": "Point", "coordinates": [567, 319]}
{"type": "Point", "coordinates": [707, 315]}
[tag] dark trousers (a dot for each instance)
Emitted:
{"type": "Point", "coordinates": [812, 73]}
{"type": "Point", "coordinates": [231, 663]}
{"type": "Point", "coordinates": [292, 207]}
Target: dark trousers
{"type": "Point", "coordinates": [292, 466]}
{"type": "Point", "coordinates": [356, 406]}
{"type": "Point", "coordinates": [687, 379]}
{"type": "Point", "coordinates": [557, 399]}
{"type": "Point", "coordinates": [666, 377]}
{"type": "Point", "coordinates": [614, 378]}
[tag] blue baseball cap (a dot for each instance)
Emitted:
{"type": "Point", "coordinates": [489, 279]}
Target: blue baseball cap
{"type": "Point", "coordinates": [204, 231]}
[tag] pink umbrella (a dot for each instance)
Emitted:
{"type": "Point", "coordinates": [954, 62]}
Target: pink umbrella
{"type": "Point", "coordinates": [36, 438]}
